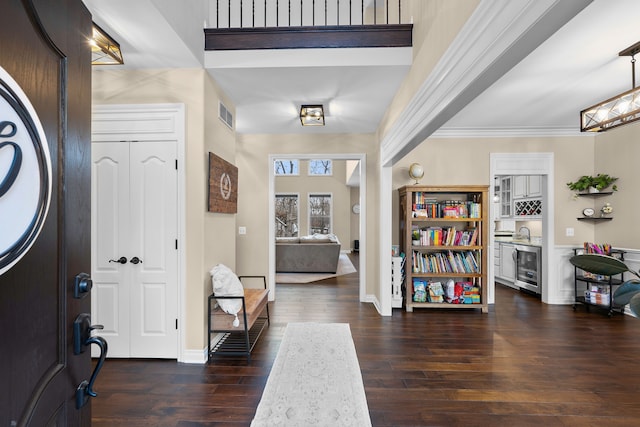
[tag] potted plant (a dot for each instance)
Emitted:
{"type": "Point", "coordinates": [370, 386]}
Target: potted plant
{"type": "Point", "coordinates": [593, 184]}
{"type": "Point", "coordinates": [628, 292]}
{"type": "Point", "coordinates": [415, 237]}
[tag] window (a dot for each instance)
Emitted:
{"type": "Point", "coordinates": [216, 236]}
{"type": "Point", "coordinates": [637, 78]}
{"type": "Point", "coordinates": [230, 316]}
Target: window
{"type": "Point", "coordinates": [320, 167]}
{"type": "Point", "coordinates": [286, 215]}
{"type": "Point", "coordinates": [320, 213]}
{"type": "Point", "coordinates": [284, 167]}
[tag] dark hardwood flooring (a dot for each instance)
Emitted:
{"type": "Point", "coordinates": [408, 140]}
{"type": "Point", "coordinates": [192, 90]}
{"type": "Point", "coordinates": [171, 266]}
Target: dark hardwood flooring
{"type": "Point", "coordinates": [523, 364]}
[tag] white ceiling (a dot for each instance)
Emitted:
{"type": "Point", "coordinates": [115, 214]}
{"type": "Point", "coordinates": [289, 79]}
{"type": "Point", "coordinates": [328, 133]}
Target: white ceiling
{"type": "Point", "coordinates": [542, 95]}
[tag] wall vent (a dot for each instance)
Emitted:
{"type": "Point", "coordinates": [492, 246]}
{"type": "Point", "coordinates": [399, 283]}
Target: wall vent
{"type": "Point", "coordinates": [225, 115]}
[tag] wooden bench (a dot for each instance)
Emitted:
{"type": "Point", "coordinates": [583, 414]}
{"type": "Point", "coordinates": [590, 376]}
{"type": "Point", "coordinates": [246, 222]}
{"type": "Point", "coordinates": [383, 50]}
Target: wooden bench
{"type": "Point", "coordinates": [253, 317]}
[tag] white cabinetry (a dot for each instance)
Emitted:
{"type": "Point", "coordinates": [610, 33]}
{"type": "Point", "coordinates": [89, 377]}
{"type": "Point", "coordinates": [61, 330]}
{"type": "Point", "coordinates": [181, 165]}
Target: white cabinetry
{"type": "Point", "coordinates": [505, 197]}
{"type": "Point", "coordinates": [507, 270]}
{"type": "Point", "coordinates": [527, 186]}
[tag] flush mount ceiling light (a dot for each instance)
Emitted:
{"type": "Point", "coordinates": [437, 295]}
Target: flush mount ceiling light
{"type": "Point", "coordinates": [104, 49]}
{"type": "Point", "coordinates": [311, 115]}
{"type": "Point", "coordinates": [616, 111]}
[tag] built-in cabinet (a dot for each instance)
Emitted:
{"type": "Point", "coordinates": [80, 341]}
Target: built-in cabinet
{"type": "Point", "coordinates": [507, 262]}
{"type": "Point", "coordinates": [527, 186]}
{"type": "Point", "coordinates": [521, 196]}
{"type": "Point", "coordinates": [505, 197]}
{"type": "Point", "coordinates": [444, 233]}
{"type": "Point", "coordinates": [504, 262]}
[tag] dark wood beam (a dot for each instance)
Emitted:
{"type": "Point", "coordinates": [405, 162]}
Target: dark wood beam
{"type": "Point", "coordinates": [338, 36]}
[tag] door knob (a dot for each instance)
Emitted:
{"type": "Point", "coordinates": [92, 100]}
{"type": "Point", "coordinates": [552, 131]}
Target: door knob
{"type": "Point", "coordinates": [121, 260]}
{"type": "Point", "coordinates": [135, 260]}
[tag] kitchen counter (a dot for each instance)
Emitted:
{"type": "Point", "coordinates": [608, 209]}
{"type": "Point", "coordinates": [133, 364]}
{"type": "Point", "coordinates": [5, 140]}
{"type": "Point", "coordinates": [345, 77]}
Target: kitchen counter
{"type": "Point", "coordinates": [535, 241]}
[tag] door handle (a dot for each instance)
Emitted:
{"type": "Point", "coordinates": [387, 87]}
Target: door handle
{"type": "Point", "coordinates": [85, 389]}
{"type": "Point", "coordinates": [135, 260]}
{"type": "Point", "coordinates": [82, 338]}
{"type": "Point", "coordinates": [121, 260]}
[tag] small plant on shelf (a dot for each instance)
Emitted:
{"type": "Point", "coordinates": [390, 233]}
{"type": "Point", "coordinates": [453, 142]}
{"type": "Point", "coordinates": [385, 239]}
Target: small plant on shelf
{"type": "Point", "coordinates": [628, 292]}
{"type": "Point", "coordinates": [589, 183]}
{"type": "Point", "coordinates": [415, 237]}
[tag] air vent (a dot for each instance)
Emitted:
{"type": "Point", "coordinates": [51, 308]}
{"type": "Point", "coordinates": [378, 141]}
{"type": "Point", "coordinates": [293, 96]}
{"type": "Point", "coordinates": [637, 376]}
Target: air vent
{"type": "Point", "coordinates": [225, 115]}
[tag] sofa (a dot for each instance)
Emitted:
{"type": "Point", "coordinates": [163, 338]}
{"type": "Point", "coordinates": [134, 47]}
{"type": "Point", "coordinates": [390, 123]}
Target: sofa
{"type": "Point", "coordinates": [318, 253]}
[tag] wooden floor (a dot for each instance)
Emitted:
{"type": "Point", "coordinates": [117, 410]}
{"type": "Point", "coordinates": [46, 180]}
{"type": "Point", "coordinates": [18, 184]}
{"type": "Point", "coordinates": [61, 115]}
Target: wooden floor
{"type": "Point", "coordinates": [523, 364]}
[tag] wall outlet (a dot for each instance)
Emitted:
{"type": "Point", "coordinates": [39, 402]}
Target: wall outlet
{"type": "Point", "coordinates": [569, 232]}
{"type": "Point", "coordinates": [242, 230]}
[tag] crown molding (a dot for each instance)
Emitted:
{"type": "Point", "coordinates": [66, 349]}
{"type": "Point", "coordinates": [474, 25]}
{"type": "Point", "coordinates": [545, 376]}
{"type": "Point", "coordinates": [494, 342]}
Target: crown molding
{"type": "Point", "coordinates": [520, 132]}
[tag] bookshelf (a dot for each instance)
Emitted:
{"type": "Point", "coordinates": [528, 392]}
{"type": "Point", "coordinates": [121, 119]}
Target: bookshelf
{"type": "Point", "coordinates": [450, 255]}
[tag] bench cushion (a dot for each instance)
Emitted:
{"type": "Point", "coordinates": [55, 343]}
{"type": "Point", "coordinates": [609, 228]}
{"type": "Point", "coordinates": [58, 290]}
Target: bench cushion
{"type": "Point", "coordinates": [255, 302]}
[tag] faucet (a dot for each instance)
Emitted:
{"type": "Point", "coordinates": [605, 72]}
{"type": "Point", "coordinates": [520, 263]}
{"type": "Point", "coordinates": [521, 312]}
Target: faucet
{"type": "Point", "coordinates": [521, 229]}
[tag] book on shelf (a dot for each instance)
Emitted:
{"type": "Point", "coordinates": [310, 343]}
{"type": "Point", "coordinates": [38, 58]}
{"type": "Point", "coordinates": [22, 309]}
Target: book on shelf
{"type": "Point", "coordinates": [436, 292]}
{"type": "Point", "coordinates": [445, 262]}
{"type": "Point", "coordinates": [428, 207]}
{"type": "Point", "coordinates": [447, 236]}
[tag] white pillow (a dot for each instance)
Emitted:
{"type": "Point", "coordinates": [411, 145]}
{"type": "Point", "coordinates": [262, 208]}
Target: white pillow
{"type": "Point", "coordinates": [226, 283]}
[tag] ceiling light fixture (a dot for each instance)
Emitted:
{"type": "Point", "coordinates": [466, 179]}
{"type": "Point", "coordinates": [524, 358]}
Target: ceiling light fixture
{"type": "Point", "coordinates": [616, 111]}
{"type": "Point", "coordinates": [104, 49]}
{"type": "Point", "coordinates": [311, 115]}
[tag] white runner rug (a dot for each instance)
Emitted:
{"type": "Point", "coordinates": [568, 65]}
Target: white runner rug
{"type": "Point", "coordinates": [315, 380]}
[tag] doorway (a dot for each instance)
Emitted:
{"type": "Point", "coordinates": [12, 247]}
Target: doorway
{"type": "Point", "coordinates": [518, 164]}
{"type": "Point", "coordinates": [136, 230]}
{"type": "Point", "coordinates": [361, 209]}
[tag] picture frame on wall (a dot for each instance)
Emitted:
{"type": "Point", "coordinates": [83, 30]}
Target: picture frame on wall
{"type": "Point", "coordinates": [223, 185]}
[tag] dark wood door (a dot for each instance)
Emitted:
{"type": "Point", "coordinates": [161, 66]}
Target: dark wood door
{"type": "Point", "coordinates": [45, 61]}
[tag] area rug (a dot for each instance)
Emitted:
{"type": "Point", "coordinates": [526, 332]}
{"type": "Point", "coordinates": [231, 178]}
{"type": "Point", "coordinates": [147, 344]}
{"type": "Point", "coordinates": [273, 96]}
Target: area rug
{"type": "Point", "coordinates": [344, 267]}
{"type": "Point", "coordinates": [315, 380]}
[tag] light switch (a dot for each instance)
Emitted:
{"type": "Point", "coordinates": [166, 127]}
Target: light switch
{"type": "Point", "coordinates": [569, 232]}
{"type": "Point", "coordinates": [242, 230]}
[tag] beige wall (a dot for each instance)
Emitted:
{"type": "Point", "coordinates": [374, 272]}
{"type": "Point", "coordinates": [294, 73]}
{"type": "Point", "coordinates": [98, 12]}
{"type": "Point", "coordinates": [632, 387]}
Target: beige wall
{"type": "Point", "coordinates": [573, 157]}
{"type": "Point", "coordinates": [436, 24]}
{"type": "Point", "coordinates": [253, 163]}
{"type": "Point", "coordinates": [617, 152]}
{"type": "Point", "coordinates": [304, 185]}
{"type": "Point", "coordinates": [210, 238]}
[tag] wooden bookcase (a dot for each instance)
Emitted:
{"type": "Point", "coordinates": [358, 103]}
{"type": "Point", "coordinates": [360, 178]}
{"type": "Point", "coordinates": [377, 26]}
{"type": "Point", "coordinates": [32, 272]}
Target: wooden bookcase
{"type": "Point", "coordinates": [437, 211]}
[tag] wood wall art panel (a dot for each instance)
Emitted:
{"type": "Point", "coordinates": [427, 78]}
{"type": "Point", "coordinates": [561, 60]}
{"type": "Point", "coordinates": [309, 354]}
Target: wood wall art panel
{"type": "Point", "coordinates": [223, 185]}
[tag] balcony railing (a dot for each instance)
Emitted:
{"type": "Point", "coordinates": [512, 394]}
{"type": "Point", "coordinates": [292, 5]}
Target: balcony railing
{"type": "Point", "coordinates": [304, 13]}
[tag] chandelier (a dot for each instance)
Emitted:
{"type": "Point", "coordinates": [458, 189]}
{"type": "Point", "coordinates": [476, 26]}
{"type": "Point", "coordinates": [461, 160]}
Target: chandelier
{"type": "Point", "coordinates": [619, 110]}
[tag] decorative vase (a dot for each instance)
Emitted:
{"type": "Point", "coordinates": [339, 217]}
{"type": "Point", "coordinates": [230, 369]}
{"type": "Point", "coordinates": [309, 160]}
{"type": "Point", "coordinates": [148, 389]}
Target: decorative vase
{"type": "Point", "coordinates": [593, 190]}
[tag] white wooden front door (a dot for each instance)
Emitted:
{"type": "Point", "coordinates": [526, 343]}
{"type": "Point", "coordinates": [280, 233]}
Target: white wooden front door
{"type": "Point", "coordinates": [134, 216]}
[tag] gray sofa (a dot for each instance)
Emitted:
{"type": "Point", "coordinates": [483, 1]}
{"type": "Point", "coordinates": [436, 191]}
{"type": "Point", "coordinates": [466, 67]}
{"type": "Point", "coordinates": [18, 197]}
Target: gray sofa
{"type": "Point", "coordinates": [307, 254]}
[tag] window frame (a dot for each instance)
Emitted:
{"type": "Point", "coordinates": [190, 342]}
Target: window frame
{"type": "Point", "coordinates": [320, 194]}
{"type": "Point", "coordinates": [275, 171]}
{"type": "Point", "coordinates": [310, 161]}
{"type": "Point", "coordinates": [288, 194]}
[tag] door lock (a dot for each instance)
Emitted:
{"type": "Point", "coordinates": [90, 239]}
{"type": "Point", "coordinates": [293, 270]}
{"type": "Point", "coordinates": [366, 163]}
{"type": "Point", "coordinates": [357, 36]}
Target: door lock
{"type": "Point", "coordinates": [82, 285]}
{"type": "Point", "coordinates": [135, 260]}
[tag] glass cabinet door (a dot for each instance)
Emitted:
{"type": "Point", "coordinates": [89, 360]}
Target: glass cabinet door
{"type": "Point", "coordinates": [505, 196]}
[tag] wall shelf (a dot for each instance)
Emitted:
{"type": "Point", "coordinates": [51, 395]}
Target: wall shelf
{"type": "Point", "coordinates": [596, 219]}
{"type": "Point", "coordinates": [601, 193]}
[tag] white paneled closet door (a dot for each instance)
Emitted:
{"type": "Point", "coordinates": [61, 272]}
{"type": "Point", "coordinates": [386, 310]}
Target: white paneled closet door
{"type": "Point", "coordinates": [134, 256]}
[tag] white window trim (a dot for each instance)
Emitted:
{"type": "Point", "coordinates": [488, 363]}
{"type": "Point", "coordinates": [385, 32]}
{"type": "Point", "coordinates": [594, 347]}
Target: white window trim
{"type": "Point", "coordinates": [273, 166]}
{"type": "Point", "coordinates": [315, 194]}
{"type": "Point", "coordinates": [298, 213]}
{"type": "Point", "coordinates": [318, 174]}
